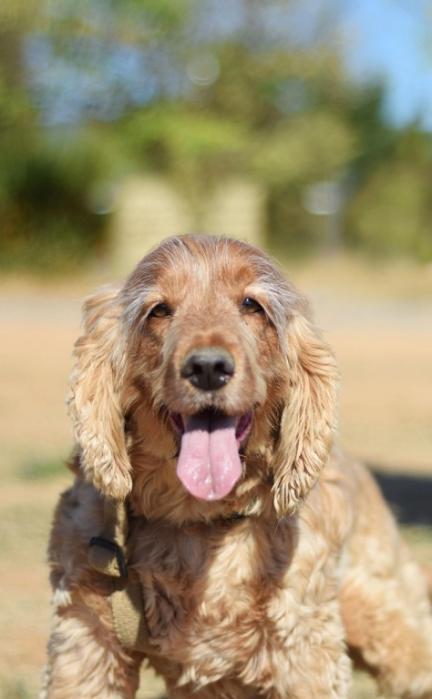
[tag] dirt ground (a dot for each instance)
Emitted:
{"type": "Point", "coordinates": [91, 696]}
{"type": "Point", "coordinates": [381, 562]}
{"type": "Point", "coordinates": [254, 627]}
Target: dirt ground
{"type": "Point", "coordinates": [380, 325]}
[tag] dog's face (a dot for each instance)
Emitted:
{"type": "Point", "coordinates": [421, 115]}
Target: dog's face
{"type": "Point", "coordinates": [213, 344]}
{"type": "Point", "coordinates": [207, 353]}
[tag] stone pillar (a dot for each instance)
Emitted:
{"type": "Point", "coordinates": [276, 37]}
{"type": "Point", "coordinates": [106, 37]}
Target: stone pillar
{"type": "Point", "coordinates": [150, 209]}
{"type": "Point", "coordinates": [236, 209]}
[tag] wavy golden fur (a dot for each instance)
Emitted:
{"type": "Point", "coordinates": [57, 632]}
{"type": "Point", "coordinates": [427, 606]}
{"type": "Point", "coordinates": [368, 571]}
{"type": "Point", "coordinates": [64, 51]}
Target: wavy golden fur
{"type": "Point", "coordinates": [264, 592]}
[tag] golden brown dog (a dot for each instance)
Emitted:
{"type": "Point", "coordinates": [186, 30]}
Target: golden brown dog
{"type": "Point", "coordinates": [203, 398]}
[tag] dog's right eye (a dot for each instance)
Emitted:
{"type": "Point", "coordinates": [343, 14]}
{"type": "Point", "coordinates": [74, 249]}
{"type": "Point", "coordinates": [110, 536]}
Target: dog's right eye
{"type": "Point", "coordinates": [249, 305]}
{"type": "Point", "coordinates": [161, 310]}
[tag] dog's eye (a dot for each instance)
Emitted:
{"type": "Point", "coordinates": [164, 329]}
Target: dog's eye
{"type": "Point", "coordinates": [161, 310]}
{"type": "Point", "coordinates": [249, 305]}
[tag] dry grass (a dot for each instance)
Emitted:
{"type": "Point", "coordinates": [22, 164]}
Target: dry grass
{"type": "Point", "coordinates": [379, 322]}
{"type": "Point", "coordinates": [364, 278]}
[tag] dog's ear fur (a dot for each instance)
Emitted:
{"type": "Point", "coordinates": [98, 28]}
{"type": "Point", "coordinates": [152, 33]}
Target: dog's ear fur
{"type": "Point", "coordinates": [95, 398]}
{"type": "Point", "coordinates": [308, 416]}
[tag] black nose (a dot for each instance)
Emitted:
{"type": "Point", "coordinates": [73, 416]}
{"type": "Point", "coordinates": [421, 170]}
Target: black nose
{"type": "Point", "coordinates": [208, 368]}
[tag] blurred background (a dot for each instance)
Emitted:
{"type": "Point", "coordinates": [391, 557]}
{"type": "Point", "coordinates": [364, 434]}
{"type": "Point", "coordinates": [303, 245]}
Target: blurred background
{"type": "Point", "coordinates": [304, 126]}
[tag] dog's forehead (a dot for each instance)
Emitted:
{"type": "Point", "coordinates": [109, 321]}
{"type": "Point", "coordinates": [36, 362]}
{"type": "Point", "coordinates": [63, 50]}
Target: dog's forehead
{"type": "Point", "coordinates": [197, 264]}
{"type": "Point", "coordinates": [199, 274]}
{"type": "Point", "coordinates": [205, 272]}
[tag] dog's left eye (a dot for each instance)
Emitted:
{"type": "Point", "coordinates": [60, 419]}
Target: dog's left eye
{"type": "Point", "coordinates": [249, 305]}
{"type": "Point", "coordinates": [161, 310]}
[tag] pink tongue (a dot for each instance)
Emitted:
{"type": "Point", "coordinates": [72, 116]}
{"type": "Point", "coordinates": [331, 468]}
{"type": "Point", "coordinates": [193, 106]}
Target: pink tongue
{"type": "Point", "coordinates": [209, 463]}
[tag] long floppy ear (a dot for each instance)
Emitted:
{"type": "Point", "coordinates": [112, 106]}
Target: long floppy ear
{"type": "Point", "coordinates": [94, 400]}
{"type": "Point", "coordinates": [308, 416]}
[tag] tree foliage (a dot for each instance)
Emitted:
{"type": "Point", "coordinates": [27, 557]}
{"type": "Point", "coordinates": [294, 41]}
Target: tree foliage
{"type": "Point", "coordinates": [195, 98]}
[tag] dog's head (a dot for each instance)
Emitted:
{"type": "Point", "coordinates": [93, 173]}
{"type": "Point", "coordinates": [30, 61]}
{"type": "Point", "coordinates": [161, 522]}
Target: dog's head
{"type": "Point", "coordinates": [211, 344]}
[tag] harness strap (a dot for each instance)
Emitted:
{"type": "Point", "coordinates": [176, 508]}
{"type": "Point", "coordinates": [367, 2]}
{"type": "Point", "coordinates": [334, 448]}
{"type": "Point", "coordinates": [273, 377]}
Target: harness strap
{"type": "Point", "coordinates": [130, 626]}
{"type": "Point", "coordinates": [107, 554]}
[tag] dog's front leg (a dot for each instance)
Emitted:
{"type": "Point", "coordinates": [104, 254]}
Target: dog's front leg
{"type": "Point", "coordinates": [328, 678]}
{"type": "Point", "coordinates": [84, 656]}
{"type": "Point", "coordinates": [313, 662]}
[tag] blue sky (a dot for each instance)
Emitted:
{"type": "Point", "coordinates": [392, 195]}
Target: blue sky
{"type": "Point", "coordinates": [392, 39]}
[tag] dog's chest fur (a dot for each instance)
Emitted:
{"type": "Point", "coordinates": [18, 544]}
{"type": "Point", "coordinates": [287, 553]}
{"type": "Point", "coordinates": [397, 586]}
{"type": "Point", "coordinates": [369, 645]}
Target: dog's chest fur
{"type": "Point", "coordinates": [221, 597]}
{"type": "Point", "coordinates": [242, 601]}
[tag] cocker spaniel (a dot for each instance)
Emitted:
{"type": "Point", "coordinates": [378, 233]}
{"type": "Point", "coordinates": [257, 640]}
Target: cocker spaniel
{"type": "Point", "coordinates": [212, 529]}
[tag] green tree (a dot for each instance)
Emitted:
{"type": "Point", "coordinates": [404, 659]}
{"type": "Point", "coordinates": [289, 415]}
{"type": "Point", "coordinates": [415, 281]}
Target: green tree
{"type": "Point", "coordinates": [391, 211]}
{"type": "Point", "coordinates": [250, 101]}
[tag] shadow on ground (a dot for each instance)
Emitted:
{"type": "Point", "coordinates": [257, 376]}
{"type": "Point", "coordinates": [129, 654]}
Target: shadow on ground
{"type": "Point", "coordinates": [410, 497]}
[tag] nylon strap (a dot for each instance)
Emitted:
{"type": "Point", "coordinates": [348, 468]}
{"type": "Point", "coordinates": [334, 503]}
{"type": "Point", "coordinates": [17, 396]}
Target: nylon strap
{"type": "Point", "coordinates": [129, 621]}
{"type": "Point", "coordinates": [107, 554]}
{"type": "Point", "coordinates": [107, 550]}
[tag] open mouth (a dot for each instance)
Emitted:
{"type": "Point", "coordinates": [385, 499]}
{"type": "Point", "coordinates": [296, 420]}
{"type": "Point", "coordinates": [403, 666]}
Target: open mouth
{"type": "Point", "coordinates": [209, 462]}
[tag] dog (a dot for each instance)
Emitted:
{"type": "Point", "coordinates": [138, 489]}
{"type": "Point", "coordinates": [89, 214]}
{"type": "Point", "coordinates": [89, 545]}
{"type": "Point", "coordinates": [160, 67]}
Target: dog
{"type": "Point", "coordinates": [211, 512]}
